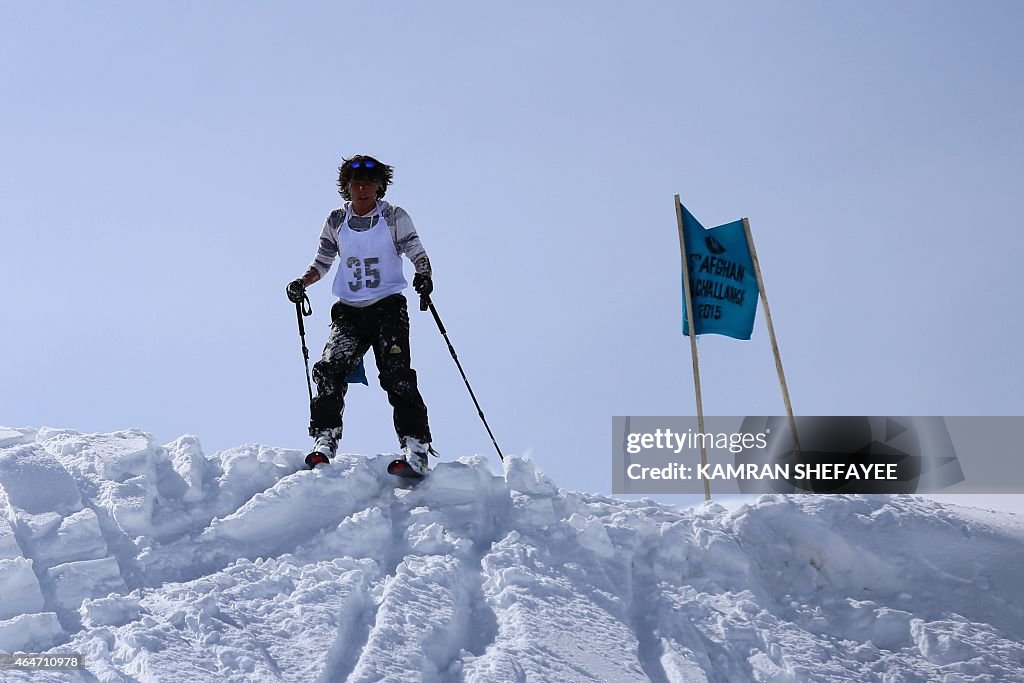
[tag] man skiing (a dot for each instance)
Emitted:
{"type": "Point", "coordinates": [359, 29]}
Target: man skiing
{"type": "Point", "coordinates": [369, 235]}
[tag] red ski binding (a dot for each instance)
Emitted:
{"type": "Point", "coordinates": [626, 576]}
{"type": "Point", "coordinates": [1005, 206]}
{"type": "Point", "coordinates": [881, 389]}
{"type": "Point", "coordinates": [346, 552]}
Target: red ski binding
{"type": "Point", "coordinates": [314, 459]}
{"type": "Point", "coordinates": [400, 468]}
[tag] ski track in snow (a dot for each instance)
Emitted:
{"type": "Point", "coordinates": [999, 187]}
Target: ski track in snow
{"type": "Point", "coordinates": [159, 563]}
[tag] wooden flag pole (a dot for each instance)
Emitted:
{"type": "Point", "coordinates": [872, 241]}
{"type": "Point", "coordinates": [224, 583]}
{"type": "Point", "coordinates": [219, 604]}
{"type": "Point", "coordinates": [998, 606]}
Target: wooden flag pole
{"type": "Point", "coordinates": [771, 335]}
{"type": "Point", "coordinates": [693, 343]}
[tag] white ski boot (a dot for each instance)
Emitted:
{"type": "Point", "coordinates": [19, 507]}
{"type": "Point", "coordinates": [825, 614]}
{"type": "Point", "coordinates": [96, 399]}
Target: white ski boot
{"type": "Point", "coordinates": [415, 454]}
{"type": "Point", "coordinates": [324, 448]}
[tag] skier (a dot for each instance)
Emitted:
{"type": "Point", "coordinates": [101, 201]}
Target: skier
{"type": "Point", "coordinates": [369, 235]}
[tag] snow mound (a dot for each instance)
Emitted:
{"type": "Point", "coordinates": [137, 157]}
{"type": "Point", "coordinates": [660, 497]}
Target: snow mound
{"type": "Point", "coordinates": [158, 562]}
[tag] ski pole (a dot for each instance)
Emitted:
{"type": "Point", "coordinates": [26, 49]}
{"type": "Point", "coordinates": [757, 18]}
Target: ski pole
{"type": "Point", "coordinates": [301, 309]}
{"type": "Point", "coordinates": [426, 303]}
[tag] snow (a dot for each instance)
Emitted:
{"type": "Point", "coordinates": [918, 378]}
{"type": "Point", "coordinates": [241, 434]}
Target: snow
{"type": "Point", "coordinates": [19, 588]}
{"type": "Point", "coordinates": [9, 548]}
{"type": "Point", "coordinates": [158, 562]}
{"type": "Point", "coordinates": [30, 631]}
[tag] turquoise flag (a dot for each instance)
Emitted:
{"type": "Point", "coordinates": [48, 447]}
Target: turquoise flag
{"type": "Point", "coordinates": [358, 375]}
{"type": "Point", "coordinates": [722, 280]}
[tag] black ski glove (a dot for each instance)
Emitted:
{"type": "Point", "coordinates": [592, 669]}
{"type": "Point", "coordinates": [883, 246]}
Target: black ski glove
{"type": "Point", "coordinates": [422, 284]}
{"type": "Point", "coordinates": [296, 291]}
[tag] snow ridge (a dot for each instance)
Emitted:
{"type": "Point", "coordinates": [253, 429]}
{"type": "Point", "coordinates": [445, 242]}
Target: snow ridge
{"type": "Point", "coordinates": [160, 563]}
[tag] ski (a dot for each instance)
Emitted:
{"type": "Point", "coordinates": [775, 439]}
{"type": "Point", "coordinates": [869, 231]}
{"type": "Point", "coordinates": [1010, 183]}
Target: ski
{"type": "Point", "coordinates": [399, 467]}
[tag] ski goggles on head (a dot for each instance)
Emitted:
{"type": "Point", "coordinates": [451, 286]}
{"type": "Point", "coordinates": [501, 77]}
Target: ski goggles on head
{"type": "Point", "coordinates": [365, 163]}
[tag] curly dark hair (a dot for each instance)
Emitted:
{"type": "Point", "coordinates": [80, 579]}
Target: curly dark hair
{"type": "Point", "coordinates": [382, 174]}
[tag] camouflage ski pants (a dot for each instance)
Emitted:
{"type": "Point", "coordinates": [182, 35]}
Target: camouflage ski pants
{"type": "Point", "coordinates": [384, 327]}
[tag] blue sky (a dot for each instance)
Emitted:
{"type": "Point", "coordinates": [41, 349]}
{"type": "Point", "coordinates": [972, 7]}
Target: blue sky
{"type": "Point", "coordinates": [168, 167]}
